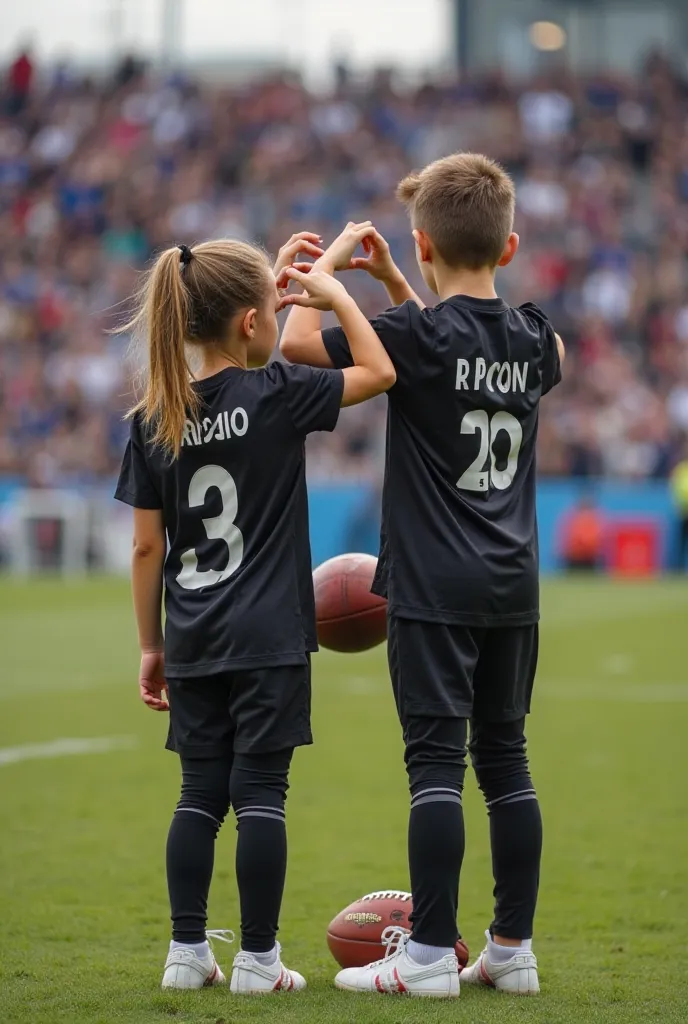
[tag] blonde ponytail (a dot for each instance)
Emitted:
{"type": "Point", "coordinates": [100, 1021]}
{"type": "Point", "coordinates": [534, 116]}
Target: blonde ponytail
{"type": "Point", "coordinates": [168, 397]}
{"type": "Point", "coordinates": [190, 297]}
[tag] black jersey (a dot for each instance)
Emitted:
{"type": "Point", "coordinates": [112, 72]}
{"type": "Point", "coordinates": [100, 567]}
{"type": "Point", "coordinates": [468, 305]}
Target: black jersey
{"type": "Point", "coordinates": [238, 584]}
{"type": "Point", "coordinates": [459, 535]}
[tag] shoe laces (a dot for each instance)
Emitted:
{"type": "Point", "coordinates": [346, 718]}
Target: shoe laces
{"type": "Point", "coordinates": [221, 934]}
{"type": "Point", "coordinates": [393, 938]}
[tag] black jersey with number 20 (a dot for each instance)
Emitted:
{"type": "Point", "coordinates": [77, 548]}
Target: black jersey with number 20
{"type": "Point", "coordinates": [459, 535]}
{"type": "Point", "coordinates": [238, 584]}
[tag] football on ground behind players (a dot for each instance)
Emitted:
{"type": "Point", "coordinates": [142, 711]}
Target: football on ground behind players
{"type": "Point", "coordinates": [363, 931]}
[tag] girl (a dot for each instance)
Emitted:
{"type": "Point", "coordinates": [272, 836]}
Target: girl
{"type": "Point", "coordinates": [215, 472]}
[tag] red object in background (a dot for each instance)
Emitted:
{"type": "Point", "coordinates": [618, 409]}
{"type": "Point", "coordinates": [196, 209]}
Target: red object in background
{"type": "Point", "coordinates": [21, 74]}
{"type": "Point", "coordinates": [551, 269]}
{"type": "Point", "coordinates": [124, 135]}
{"type": "Point", "coordinates": [582, 536]}
{"type": "Point", "coordinates": [633, 547]}
{"type": "Point", "coordinates": [20, 209]}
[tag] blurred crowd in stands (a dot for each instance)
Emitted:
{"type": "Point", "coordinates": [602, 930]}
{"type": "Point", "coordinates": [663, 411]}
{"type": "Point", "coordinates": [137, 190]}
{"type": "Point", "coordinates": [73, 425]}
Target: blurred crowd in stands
{"type": "Point", "coordinates": [95, 175]}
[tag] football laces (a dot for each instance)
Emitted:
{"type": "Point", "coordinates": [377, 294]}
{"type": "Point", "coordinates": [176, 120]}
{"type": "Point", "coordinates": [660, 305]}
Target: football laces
{"type": "Point", "coordinates": [387, 894]}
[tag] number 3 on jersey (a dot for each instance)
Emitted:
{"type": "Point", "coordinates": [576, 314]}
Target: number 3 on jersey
{"type": "Point", "coordinates": [476, 477]}
{"type": "Point", "coordinates": [220, 527]}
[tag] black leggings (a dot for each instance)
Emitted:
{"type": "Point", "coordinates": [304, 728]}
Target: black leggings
{"type": "Point", "coordinates": [255, 785]}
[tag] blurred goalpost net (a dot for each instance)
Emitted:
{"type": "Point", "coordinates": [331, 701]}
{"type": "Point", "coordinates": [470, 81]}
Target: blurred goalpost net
{"type": "Point", "coordinates": [49, 531]}
{"type": "Point", "coordinates": [65, 533]}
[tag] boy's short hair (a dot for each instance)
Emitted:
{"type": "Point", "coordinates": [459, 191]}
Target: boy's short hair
{"type": "Point", "coordinates": [465, 203]}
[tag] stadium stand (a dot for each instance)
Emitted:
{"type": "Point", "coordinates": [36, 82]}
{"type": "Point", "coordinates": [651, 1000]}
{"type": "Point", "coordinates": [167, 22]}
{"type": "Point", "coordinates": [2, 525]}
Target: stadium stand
{"type": "Point", "coordinates": [97, 175]}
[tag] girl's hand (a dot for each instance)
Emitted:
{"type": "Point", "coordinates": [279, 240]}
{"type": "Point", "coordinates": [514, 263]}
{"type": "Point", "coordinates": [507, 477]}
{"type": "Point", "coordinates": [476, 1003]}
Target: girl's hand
{"type": "Point", "coordinates": [378, 260]}
{"type": "Point", "coordinates": [321, 290]}
{"type": "Point", "coordinates": [302, 242]}
{"type": "Point", "coordinates": [152, 680]}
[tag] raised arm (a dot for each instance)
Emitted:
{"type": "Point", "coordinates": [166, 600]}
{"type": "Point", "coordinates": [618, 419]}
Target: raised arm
{"type": "Point", "coordinates": [301, 340]}
{"type": "Point", "coordinates": [373, 371]}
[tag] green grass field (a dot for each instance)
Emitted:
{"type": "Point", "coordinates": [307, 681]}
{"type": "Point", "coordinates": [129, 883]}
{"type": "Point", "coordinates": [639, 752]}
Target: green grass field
{"type": "Point", "coordinates": [84, 929]}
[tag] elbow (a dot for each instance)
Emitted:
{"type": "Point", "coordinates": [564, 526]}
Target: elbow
{"type": "Point", "coordinates": [560, 349]}
{"type": "Point", "coordinates": [389, 379]}
{"type": "Point", "coordinates": [289, 347]}
{"type": "Point", "coordinates": [148, 549]}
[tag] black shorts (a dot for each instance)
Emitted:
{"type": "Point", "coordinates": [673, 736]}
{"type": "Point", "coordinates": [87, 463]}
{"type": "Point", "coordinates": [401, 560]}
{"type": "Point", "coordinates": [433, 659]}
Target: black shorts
{"type": "Point", "coordinates": [461, 671]}
{"type": "Point", "coordinates": [258, 711]}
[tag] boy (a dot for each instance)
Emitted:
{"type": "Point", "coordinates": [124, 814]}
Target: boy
{"type": "Point", "coordinates": [458, 560]}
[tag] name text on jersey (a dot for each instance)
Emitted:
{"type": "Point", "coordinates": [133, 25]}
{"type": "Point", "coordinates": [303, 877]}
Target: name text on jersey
{"type": "Point", "coordinates": [502, 377]}
{"type": "Point", "coordinates": [222, 427]}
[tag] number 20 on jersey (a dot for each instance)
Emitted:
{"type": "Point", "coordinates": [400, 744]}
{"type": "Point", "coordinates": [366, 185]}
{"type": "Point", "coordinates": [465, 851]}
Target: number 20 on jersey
{"type": "Point", "coordinates": [479, 474]}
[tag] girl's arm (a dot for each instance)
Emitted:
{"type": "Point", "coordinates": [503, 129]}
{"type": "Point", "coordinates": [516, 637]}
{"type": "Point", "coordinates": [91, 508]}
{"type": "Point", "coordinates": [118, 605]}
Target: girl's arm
{"type": "Point", "coordinates": [373, 371]}
{"type": "Point", "coordinates": [148, 557]}
{"type": "Point", "coordinates": [301, 340]}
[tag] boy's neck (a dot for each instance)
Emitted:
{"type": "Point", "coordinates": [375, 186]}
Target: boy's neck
{"type": "Point", "coordinates": [477, 283]}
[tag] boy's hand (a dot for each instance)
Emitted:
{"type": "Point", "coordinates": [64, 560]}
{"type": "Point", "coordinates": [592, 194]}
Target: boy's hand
{"type": "Point", "coordinates": [152, 680]}
{"type": "Point", "coordinates": [379, 264]}
{"type": "Point", "coordinates": [321, 290]}
{"type": "Point", "coordinates": [378, 260]}
{"type": "Point", "coordinates": [301, 242]}
{"type": "Point", "coordinates": [338, 255]}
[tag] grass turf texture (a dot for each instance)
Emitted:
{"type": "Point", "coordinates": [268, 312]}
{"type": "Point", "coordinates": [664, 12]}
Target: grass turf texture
{"type": "Point", "coordinates": [84, 916]}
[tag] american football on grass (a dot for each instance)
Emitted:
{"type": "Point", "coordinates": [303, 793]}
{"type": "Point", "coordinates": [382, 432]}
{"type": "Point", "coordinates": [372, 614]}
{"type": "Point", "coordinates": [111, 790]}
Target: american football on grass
{"type": "Point", "coordinates": [364, 930]}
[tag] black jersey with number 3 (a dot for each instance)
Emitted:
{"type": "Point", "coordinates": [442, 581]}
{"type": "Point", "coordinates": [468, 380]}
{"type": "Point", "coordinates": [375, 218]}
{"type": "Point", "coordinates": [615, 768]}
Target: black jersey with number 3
{"type": "Point", "coordinates": [238, 584]}
{"type": "Point", "coordinates": [459, 535]}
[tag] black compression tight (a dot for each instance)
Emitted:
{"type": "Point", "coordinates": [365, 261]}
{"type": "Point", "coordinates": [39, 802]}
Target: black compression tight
{"type": "Point", "coordinates": [256, 786]}
{"type": "Point", "coordinates": [436, 764]}
{"type": "Point", "coordinates": [498, 753]}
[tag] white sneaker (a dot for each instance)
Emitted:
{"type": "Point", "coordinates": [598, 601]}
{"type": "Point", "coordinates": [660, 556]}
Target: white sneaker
{"type": "Point", "coordinates": [249, 977]}
{"type": "Point", "coordinates": [519, 975]}
{"type": "Point", "coordinates": [398, 974]}
{"type": "Point", "coordinates": [184, 969]}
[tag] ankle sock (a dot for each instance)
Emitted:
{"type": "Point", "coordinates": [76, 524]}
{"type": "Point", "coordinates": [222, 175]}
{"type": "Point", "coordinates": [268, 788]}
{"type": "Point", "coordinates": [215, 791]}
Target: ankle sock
{"type": "Point", "coordinates": [201, 949]}
{"type": "Point", "coordinates": [425, 955]}
{"type": "Point", "coordinates": [502, 954]}
{"type": "Point", "coordinates": [266, 959]}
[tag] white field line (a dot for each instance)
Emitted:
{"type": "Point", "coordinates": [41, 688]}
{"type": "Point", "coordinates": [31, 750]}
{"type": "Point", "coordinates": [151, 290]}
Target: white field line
{"type": "Point", "coordinates": [65, 748]}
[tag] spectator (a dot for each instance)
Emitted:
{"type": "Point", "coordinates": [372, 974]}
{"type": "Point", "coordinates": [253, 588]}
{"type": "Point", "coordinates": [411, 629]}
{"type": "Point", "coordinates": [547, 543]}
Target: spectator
{"type": "Point", "coordinates": [19, 80]}
{"type": "Point", "coordinates": [582, 537]}
{"type": "Point", "coordinates": [679, 489]}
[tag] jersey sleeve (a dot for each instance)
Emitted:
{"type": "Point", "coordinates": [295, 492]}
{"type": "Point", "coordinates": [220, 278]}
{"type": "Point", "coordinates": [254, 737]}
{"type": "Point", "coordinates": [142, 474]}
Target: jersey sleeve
{"type": "Point", "coordinates": [551, 364]}
{"type": "Point", "coordinates": [394, 328]}
{"type": "Point", "coordinates": [313, 396]}
{"type": "Point", "coordinates": [136, 485]}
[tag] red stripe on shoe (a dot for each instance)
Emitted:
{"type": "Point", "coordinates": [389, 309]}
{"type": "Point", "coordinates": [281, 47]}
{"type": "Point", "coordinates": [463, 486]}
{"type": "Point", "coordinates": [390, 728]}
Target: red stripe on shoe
{"type": "Point", "coordinates": [278, 984]}
{"type": "Point", "coordinates": [402, 987]}
{"type": "Point", "coordinates": [378, 984]}
{"type": "Point", "coordinates": [210, 980]}
{"type": "Point", "coordinates": [484, 975]}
